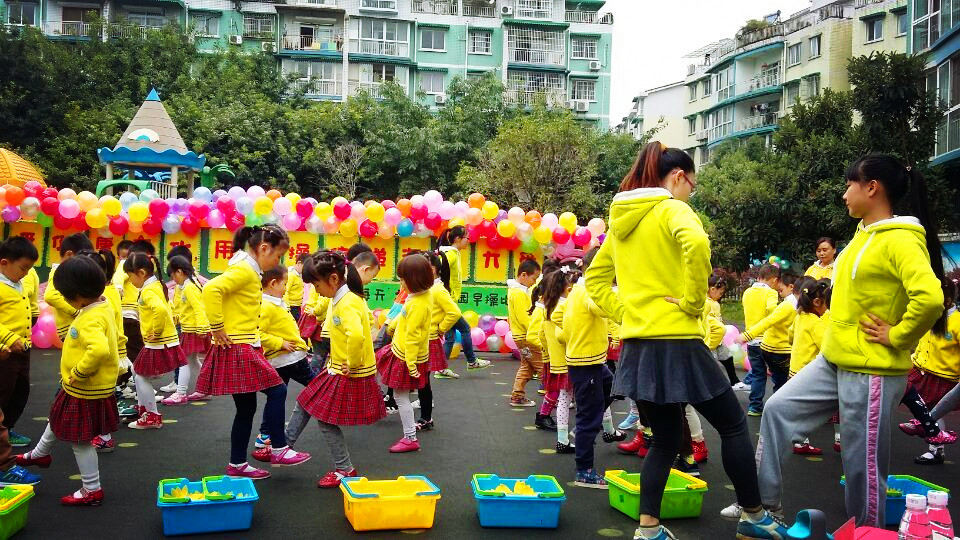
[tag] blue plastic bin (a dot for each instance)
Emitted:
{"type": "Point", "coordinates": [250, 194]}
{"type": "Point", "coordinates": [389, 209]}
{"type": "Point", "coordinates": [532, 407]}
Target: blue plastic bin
{"type": "Point", "coordinates": [909, 485]}
{"type": "Point", "coordinates": [227, 506]}
{"type": "Point", "coordinates": [497, 509]}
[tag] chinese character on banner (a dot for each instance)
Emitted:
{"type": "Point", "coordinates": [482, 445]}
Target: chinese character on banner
{"type": "Point", "coordinates": [477, 299]}
{"type": "Point", "coordinates": [335, 242]}
{"type": "Point", "coordinates": [493, 299]}
{"type": "Point", "coordinates": [520, 256]}
{"type": "Point", "coordinates": [171, 241]}
{"type": "Point", "coordinates": [220, 250]}
{"type": "Point", "coordinates": [491, 264]}
{"type": "Point", "coordinates": [386, 252]}
{"type": "Point", "coordinates": [379, 295]}
{"type": "Point", "coordinates": [301, 243]}
{"type": "Point", "coordinates": [33, 232]}
{"type": "Point", "coordinates": [54, 239]}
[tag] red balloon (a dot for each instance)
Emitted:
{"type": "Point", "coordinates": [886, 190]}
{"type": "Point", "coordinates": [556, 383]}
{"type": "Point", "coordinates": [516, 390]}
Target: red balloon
{"type": "Point", "coordinates": [159, 208]}
{"type": "Point", "coordinates": [342, 210]}
{"type": "Point", "coordinates": [561, 235]}
{"type": "Point", "coordinates": [388, 204]}
{"type": "Point", "coordinates": [487, 229]}
{"type": "Point", "coordinates": [304, 208]}
{"type": "Point", "coordinates": [473, 234]}
{"type": "Point", "coordinates": [152, 226]}
{"type": "Point", "coordinates": [225, 205]}
{"type": "Point", "coordinates": [190, 226]}
{"type": "Point", "coordinates": [118, 225]}
{"type": "Point", "coordinates": [48, 192]}
{"type": "Point", "coordinates": [433, 221]}
{"type": "Point", "coordinates": [495, 242]}
{"type": "Point", "coordinates": [582, 236]}
{"type": "Point", "coordinates": [32, 188]}
{"type": "Point", "coordinates": [61, 222]}
{"type": "Point", "coordinates": [49, 205]}
{"type": "Point", "coordinates": [234, 222]}
{"type": "Point", "coordinates": [418, 212]}
{"type": "Point", "coordinates": [368, 229]}
{"type": "Point", "coordinates": [199, 210]}
{"type": "Point", "coordinates": [513, 243]}
{"type": "Point", "coordinates": [80, 222]}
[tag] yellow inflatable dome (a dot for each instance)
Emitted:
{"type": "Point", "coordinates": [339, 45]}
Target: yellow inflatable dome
{"type": "Point", "coordinates": [15, 170]}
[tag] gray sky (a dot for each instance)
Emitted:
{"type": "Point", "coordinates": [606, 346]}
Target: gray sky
{"type": "Point", "coordinates": [651, 37]}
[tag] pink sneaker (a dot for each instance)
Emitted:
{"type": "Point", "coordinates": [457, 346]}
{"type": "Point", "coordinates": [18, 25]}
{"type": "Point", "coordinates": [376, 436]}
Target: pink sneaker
{"type": "Point", "coordinates": [197, 396]}
{"type": "Point", "coordinates": [944, 437]}
{"type": "Point", "coordinates": [175, 399]}
{"type": "Point", "coordinates": [913, 427]}
{"type": "Point", "coordinates": [244, 470]}
{"type": "Point", "coordinates": [404, 445]}
{"type": "Point", "coordinates": [288, 457]}
{"type": "Point", "coordinates": [263, 455]}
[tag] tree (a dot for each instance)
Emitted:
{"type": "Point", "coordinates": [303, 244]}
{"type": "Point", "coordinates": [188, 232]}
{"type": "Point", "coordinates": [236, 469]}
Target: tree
{"type": "Point", "coordinates": [344, 164]}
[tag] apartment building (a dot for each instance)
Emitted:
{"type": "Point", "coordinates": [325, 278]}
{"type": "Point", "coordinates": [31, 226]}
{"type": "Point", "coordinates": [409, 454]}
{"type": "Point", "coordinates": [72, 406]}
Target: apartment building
{"type": "Point", "coordinates": [667, 102]}
{"type": "Point", "coordinates": [559, 49]}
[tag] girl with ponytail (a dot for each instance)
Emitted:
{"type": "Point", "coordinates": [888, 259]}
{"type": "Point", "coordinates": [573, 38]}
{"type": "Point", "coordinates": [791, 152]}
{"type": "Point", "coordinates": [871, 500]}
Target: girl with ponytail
{"type": "Point", "coordinates": [452, 241]}
{"type": "Point", "coordinates": [194, 327]}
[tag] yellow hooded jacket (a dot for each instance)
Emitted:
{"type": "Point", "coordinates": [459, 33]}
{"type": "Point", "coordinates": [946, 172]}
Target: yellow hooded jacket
{"type": "Point", "coordinates": [940, 355]}
{"type": "Point", "coordinates": [518, 309]}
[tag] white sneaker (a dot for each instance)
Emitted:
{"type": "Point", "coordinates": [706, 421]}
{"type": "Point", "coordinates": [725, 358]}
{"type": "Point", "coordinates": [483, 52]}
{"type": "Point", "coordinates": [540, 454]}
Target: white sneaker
{"type": "Point", "coordinates": [172, 387]}
{"type": "Point", "coordinates": [416, 404]}
{"type": "Point", "coordinates": [479, 364]}
{"type": "Point", "coordinates": [740, 387]}
{"type": "Point", "coordinates": [732, 512]}
{"type": "Point", "coordinates": [128, 394]}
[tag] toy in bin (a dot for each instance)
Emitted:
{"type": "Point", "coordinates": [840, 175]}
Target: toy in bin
{"type": "Point", "coordinates": [409, 502]}
{"type": "Point", "coordinates": [682, 497]}
{"type": "Point", "coordinates": [898, 487]}
{"type": "Point", "coordinates": [531, 502]}
{"type": "Point", "coordinates": [214, 504]}
{"type": "Point", "coordinates": [13, 509]}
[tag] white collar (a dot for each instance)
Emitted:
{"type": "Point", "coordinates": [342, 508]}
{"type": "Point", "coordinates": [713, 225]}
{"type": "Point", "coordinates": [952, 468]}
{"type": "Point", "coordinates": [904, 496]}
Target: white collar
{"type": "Point", "coordinates": [760, 285]}
{"type": "Point", "coordinates": [90, 306]}
{"type": "Point", "coordinates": [293, 270]}
{"type": "Point", "coordinates": [582, 281]}
{"type": "Point", "coordinates": [341, 292]}
{"type": "Point", "coordinates": [541, 306]}
{"type": "Point", "coordinates": [150, 281]}
{"type": "Point", "coordinates": [243, 256]}
{"type": "Point", "coordinates": [514, 284]}
{"type": "Point", "coordinates": [438, 281]}
{"type": "Point", "coordinates": [15, 285]}
{"type": "Point", "coordinates": [900, 220]}
{"type": "Point", "coordinates": [273, 299]}
{"type": "Point", "coordinates": [448, 248]}
{"type": "Point", "coordinates": [55, 265]}
{"type": "Point", "coordinates": [820, 265]}
{"type": "Point", "coordinates": [642, 193]}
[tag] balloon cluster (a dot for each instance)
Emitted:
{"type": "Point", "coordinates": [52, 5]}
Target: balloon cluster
{"type": "Point", "coordinates": [43, 335]}
{"type": "Point", "coordinates": [738, 351]}
{"type": "Point", "coordinates": [774, 260]}
{"type": "Point", "coordinates": [421, 215]}
{"type": "Point", "coordinates": [489, 334]}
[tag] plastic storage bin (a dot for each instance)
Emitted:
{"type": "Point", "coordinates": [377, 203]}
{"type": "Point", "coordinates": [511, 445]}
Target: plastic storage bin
{"type": "Point", "coordinates": [906, 485]}
{"type": "Point", "coordinates": [13, 509]}
{"type": "Point", "coordinates": [497, 509]}
{"type": "Point", "coordinates": [682, 498]}
{"type": "Point", "coordinates": [227, 505]}
{"type": "Point", "coordinates": [409, 502]}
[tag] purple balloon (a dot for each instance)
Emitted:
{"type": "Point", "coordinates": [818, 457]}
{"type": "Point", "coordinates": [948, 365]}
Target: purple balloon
{"type": "Point", "coordinates": [10, 214]}
{"type": "Point", "coordinates": [602, 237]}
{"type": "Point", "coordinates": [217, 194]}
{"type": "Point", "coordinates": [501, 215]}
{"type": "Point", "coordinates": [487, 323]}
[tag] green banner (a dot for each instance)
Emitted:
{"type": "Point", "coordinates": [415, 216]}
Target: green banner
{"type": "Point", "coordinates": [481, 299]}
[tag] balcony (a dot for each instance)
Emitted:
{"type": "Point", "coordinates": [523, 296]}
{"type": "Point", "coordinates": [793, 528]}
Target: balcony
{"type": "Point", "coordinates": [528, 56]}
{"type": "Point", "coordinates": [380, 48]}
{"type": "Point", "coordinates": [330, 3]}
{"type": "Point", "coordinates": [317, 87]}
{"type": "Point", "coordinates": [131, 31]}
{"type": "Point", "coordinates": [436, 7]}
{"type": "Point", "coordinates": [805, 18]}
{"type": "Point", "coordinates": [379, 5]}
{"type": "Point", "coordinates": [321, 41]}
{"type": "Point", "coordinates": [534, 9]}
{"type": "Point", "coordinates": [719, 132]}
{"type": "Point", "coordinates": [588, 17]}
{"type": "Point", "coordinates": [374, 89]}
{"type": "Point", "coordinates": [864, 3]}
{"type": "Point", "coordinates": [69, 28]}
{"type": "Point", "coordinates": [527, 98]}
{"type": "Point", "coordinates": [766, 79]}
{"type": "Point", "coordinates": [948, 134]}
{"type": "Point", "coordinates": [758, 121]}
{"type": "Point", "coordinates": [477, 10]}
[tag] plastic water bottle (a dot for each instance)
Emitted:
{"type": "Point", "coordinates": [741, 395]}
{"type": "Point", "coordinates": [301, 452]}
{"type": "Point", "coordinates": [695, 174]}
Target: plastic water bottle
{"type": "Point", "coordinates": [940, 523]}
{"type": "Point", "coordinates": [915, 525]}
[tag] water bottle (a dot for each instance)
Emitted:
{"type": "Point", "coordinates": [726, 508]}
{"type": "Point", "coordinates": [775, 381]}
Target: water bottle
{"type": "Point", "coordinates": [915, 525]}
{"type": "Point", "coordinates": [940, 523]}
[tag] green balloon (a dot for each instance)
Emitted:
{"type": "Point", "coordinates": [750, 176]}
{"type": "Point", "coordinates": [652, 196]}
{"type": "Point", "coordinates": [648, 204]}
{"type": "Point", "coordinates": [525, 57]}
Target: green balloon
{"type": "Point", "coordinates": [529, 245]}
{"type": "Point", "coordinates": [44, 220]}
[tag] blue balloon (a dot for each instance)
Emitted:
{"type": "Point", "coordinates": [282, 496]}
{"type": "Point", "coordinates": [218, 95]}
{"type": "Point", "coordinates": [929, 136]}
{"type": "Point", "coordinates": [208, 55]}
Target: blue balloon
{"type": "Point", "coordinates": [202, 194]}
{"type": "Point", "coordinates": [405, 228]}
{"type": "Point", "coordinates": [127, 199]}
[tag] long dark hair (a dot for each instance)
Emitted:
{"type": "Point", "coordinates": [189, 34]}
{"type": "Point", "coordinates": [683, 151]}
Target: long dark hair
{"type": "Point", "coordinates": [452, 234]}
{"type": "Point", "coordinates": [183, 264]}
{"type": "Point", "coordinates": [104, 258]}
{"type": "Point", "coordinates": [442, 267]}
{"type": "Point", "coordinates": [322, 264]}
{"type": "Point", "coordinates": [653, 164]}
{"type": "Point", "coordinates": [251, 237]}
{"type": "Point", "coordinates": [137, 261]}
{"type": "Point", "coordinates": [808, 290]}
{"type": "Point", "coordinates": [552, 288]}
{"type": "Point", "coordinates": [949, 289]}
{"type": "Point", "coordinates": [550, 265]}
{"type": "Point", "coordinates": [900, 181]}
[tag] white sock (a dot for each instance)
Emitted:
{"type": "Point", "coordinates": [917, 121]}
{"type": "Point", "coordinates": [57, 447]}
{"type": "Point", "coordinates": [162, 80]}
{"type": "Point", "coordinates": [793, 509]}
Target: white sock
{"type": "Point", "coordinates": [405, 408]}
{"type": "Point", "coordinates": [608, 422]}
{"type": "Point", "coordinates": [43, 445]}
{"type": "Point", "coordinates": [86, 456]}
{"type": "Point", "coordinates": [563, 417]}
{"type": "Point", "coordinates": [145, 394]}
{"type": "Point", "coordinates": [106, 437]}
{"type": "Point", "coordinates": [693, 421]}
{"type": "Point", "coordinates": [184, 377]}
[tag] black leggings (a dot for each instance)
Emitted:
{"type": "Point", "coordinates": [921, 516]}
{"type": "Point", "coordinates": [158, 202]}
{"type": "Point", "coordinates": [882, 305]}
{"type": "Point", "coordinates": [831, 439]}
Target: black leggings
{"type": "Point", "coordinates": [731, 371]}
{"type": "Point", "coordinates": [426, 401]}
{"type": "Point", "coordinates": [726, 415]}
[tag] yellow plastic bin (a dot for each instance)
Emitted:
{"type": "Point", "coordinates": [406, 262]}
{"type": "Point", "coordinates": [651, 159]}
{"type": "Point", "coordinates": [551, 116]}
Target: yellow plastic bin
{"type": "Point", "coordinates": [409, 502]}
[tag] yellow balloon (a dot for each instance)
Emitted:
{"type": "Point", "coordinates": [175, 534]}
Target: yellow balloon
{"type": "Point", "coordinates": [375, 212]}
{"type": "Point", "coordinates": [138, 212]}
{"type": "Point", "coordinates": [471, 317]}
{"type": "Point", "coordinates": [263, 205]}
{"type": "Point", "coordinates": [323, 210]}
{"type": "Point", "coordinates": [382, 317]}
{"type": "Point", "coordinates": [87, 200]}
{"type": "Point", "coordinates": [348, 228]}
{"type": "Point", "coordinates": [455, 351]}
{"type": "Point", "coordinates": [110, 205]}
{"type": "Point", "coordinates": [542, 235]}
{"type": "Point", "coordinates": [456, 222]}
{"type": "Point", "coordinates": [506, 228]}
{"type": "Point", "coordinates": [294, 198]}
{"type": "Point", "coordinates": [96, 218]}
{"type": "Point", "coordinates": [490, 210]}
{"type": "Point", "coordinates": [568, 221]}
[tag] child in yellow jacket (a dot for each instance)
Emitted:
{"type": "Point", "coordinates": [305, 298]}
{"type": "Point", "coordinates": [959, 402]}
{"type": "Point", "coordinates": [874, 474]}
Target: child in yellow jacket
{"type": "Point", "coordinates": [808, 331]}
{"type": "Point", "coordinates": [17, 255]}
{"type": "Point", "coordinates": [452, 242]}
{"type": "Point", "coordinates": [554, 290]}
{"type": "Point", "coordinates": [518, 309]}
{"type": "Point", "coordinates": [535, 338]}
{"type": "Point", "coordinates": [63, 312]}
{"type": "Point", "coordinates": [293, 295]}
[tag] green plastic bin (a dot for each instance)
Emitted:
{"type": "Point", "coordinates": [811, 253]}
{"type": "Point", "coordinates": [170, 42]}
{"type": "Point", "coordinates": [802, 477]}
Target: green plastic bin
{"type": "Point", "coordinates": [682, 498]}
{"type": "Point", "coordinates": [13, 509]}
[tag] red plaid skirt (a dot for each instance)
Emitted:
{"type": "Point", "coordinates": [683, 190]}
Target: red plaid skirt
{"type": "Point", "coordinates": [194, 343]}
{"type": "Point", "coordinates": [236, 369]}
{"type": "Point", "coordinates": [309, 326]}
{"type": "Point", "coordinates": [76, 420]}
{"type": "Point", "coordinates": [930, 387]}
{"type": "Point", "coordinates": [555, 382]}
{"type": "Point", "coordinates": [156, 362]}
{"type": "Point", "coordinates": [613, 353]}
{"type": "Point", "coordinates": [395, 374]}
{"type": "Point", "coordinates": [438, 360]}
{"type": "Point", "coordinates": [342, 400]}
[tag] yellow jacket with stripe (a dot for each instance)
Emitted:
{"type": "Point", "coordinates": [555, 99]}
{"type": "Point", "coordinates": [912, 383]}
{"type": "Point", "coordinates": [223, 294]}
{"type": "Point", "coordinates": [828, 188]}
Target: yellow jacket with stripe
{"type": "Point", "coordinates": [411, 339]}
{"type": "Point", "coordinates": [518, 309]}
{"type": "Point", "coordinates": [535, 328]}
{"type": "Point", "coordinates": [156, 317]}
{"type": "Point", "coordinates": [31, 287]}
{"type": "Point", "coordinates": [583, 328]}
{"type": "Point", "coordinates": [456, 277]}
{"type": "Point", "coordinates": [90, 361]}
{"type": "Point", "coordinates": [128, 293]}
{"type": "Point", "coordinates": [351, 343]}
{"type": "Point", "coordinates": [232, 300]}
{"type": "Point", "coordinates": [193, 320]}
{"type": "Point", "coordinates": [776, 327]}
{"type": "Point", "coordinates": [940, 355]}
{"type": "Point", "coordinates": [445, 312]}
{"type": "Point", "coordinates": [293, 296]}
{"type": "Point", "coordinates": [550, 333]}
{"type": "Point", "coordinates": [63, 313]}
{"type": "Point", "coordinates": [15, 320]}
{"type": "Point", "coordinates": [113, 300]}
{"type": "Point", "coordinates": [808, 331]}
{"type": "Point", "coordinates": [759, 301]}
{"type": "Point", "coordinates": [276, 326]}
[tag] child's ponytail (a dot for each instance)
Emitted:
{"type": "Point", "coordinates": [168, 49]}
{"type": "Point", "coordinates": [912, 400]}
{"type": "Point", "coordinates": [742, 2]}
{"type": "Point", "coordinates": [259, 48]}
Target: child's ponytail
{"type": "Point", "coordinates": [949, 289]}
{"type": "Point", "coordinates": [808, 290]}
{"type": "Point", "coordinates": [452, 234]}
{"type": "Point", "coordinates": [324, 263]}
{"type": "Point", "coordinates": [920, 205]}
{"type": "Point", "coordinates": [183, 264]}
{"type": "Point", "coordinates": [653, 164]}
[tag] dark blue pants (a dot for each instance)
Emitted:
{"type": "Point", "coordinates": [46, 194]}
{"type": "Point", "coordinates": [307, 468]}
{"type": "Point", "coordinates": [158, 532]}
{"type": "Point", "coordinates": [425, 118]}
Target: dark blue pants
{"type": "Point", "coordinates": [295, 311]}
{"type": "Point", "coordinates": [465, 340]}
{"type": "Point", "coordinates": [243, 420]}
{"type": "Point", "coordinates": [760, 362]}
{"type": "Point", "coordinates": [591, 390]}
{"type": "Point", "coordinates": [300, 372]}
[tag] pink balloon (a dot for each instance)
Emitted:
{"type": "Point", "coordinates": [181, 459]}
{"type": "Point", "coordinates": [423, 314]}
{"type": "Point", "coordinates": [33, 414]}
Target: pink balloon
{"type": "Point", "coordinates": [341, 210]}
{"type": "Point", "coordinates": [47, 324]}
{"type": "Point", "coordinates": [226, 205]}
{"type": "Point", "coordinates": [731, 335]}
{"type": "Point", "coordinates": [291, 222]}
{"type": "Point", "coordinates": [215, 219]}
{"type": "Point", "coordinates": [510, 343]}
{"type": "Point", "coordinates": [561, 235]}
{"type": "Point", "coordinates": [304, 208]}
{"type": "Point", "coordinates": [368, 229]}
{"type": "Point", "coordinates": [432, 221]}
{"type": "Point", "coordinates": [40, 340]}
{"type": "Point", "coordinates": [159, 208]}
{"type": "Point", "coordinates": [501, 328]}
{"type": "Point", "coordinates": [392, 216]}
{"type": "Point", "coordinates": [199, 210]}
{"type": "Point", "coordinates": [477, 336]}
{"type": "Point", "coordinates": [582, 236]}
{"type": "Point", "coordinates": [418, 212]}
{"type": "Point", "coordinates": [332, 225]}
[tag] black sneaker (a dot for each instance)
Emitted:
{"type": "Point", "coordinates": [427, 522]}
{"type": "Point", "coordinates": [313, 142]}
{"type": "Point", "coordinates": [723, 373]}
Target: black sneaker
{"type": "Point", "coordinates": [545, 422]}
{"type": "Point", "coordinates": [616, 436]}
{"type": "Point", "coordinates": [390, 405]}
{"type": "Point", "coordinates": [684, 466]}
{"type": "Point", "coordinates": [930, 458]}
{"type": "Point", "coordinates": [424, 425]}
{"type": "Point", "coordinates": [565, 448]}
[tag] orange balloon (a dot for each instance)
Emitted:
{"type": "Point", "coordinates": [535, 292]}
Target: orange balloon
{"type": "Point", "coordinates": [404, 206]}
{"type": "Point", "coordinates": [476, 200]}
{"type": "Point", "coordinates": [14, 195]}
{"type": "Point", "coordinates": [533, 218]}
{"type": "Point", "coordinates": [273, 194]}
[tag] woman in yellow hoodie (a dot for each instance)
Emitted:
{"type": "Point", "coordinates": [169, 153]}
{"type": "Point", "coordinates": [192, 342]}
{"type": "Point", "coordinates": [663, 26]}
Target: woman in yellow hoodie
{"type": "Point", "coordinates": [660, 255]}
{"type": "Point", "coordinates": [886, 295]}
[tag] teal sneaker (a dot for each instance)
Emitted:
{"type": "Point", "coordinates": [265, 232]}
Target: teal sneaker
{"type": "Point", "coordinates": [17, 439]}
{"type": "Point", "coordinates": [768, 527]}
{"type": "Point", "coordinates": [663, 534]}
{"type": "Point", "coordinates": [630, 422]}
{"type": "Point", "coordinates": [18, 475]}
{"type": "Point", "coordinates": [754, 412]}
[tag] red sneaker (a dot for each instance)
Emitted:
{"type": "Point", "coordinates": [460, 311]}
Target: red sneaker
{"type": "Point", "coordinates": [287, 457]}
{"type": "Point", "coordinates": [87, 498]}
{"type": "Point", "coordinates": [43, 462]}
{"type": "Point", "coordinates": [332, 478]}
{"type": "Point", "coordinates": [244, 470]}
{"type": "Point", "coordinates": [262, 454]}
{"type": "Point", "coordinates": [632, 446]}
{"type": "Point", "coordinates": [836, 447]}
{"type": "Point", "coordinates": [102, 445]}
{"type": "Point", "coordinates": [805, 449]}
{"type": "Point", "coordinates": [913, 427]}
{"type": "Point", "coordinates": [147, 420]}
{"type": "Point", "coordinates": [700, 452]}
{"type": "Point", "coordinates": [944, 437]}
{"type": "Point", "coordinates": [404, 445]}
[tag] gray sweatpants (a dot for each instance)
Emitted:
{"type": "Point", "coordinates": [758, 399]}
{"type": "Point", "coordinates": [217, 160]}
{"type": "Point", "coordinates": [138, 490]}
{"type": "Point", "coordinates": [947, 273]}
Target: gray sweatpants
{"type": "Point", "coordinates": [804, 403]}
{"type": "Point", "coordinates": [946, 404]}
{"type": "Point", "coordinates": [337, 446]}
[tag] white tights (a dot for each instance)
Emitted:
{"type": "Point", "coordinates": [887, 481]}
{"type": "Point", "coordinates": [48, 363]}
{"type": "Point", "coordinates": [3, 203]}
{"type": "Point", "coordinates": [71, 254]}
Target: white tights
{"type": "Point", "coordinates": [693, 421]}
{"type": "Point", "coordinates": [84, 453]}
{"type": "Point", "coordinates": [405, 409]}
{"type": "Point", "coordinates": [563, 417]}
{"type": "Point", "coordinates": [145, 393]}
{"type": "Point", "coordinates": [188, 374]}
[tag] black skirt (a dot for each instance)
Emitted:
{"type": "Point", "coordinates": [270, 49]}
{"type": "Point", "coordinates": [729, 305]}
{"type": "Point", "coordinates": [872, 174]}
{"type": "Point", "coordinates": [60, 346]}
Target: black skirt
{"type": "Point", "coordinates": [669, 371]}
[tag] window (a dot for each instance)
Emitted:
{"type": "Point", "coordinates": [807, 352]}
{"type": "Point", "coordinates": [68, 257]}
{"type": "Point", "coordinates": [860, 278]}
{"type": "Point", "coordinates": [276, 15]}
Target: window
{"type": "Point", "coordinates": [584, 48]}
{"type": "Point", "coordinates": [381, 36]}
{"type": "Point", "coordinates": [724, 84]}
{"type": "Point", "coordinates": [379, 4]}
{"type": "Point", "coordinates": [584, 90]}
{"type": "Point", "coordinates": [793, 54]}
{"type": "Point", "coordinates": [535, 46]}
{"type": "Point", "coordinates": [480, 41]}
{"type": "Point", "coordinates": [146, 20]}
{"type": "Point", "coordinates": [814, 46]}
{"type": "Point", "coordinates": [707, 87]}
{"type": "Point", "coordinates": [84, 15]}
{"type": "Point", "coordinates": [693, 92]}
{"type": "Point", "coordinates": [903, 24]}
{"type": "Point", "coordinates": [433, 39]}
{"type": "Point", "coordinates": [691, 125]}
{"type": "Point", "coordinates": [793, 92]}
{"type": "Point", "coordinates": [22, 14]}
{"type": "Point", "coordinates": [431, 82]}
{"type": "Point", "coordinates": [524, 87]}
{"type": "Point", "coordinates": [954, 81]}
{"type": "Point", "coordinates": [206, 24]}
{"type": "Point", "coordinates": [810, 87]}
{"type": "Point", "coordinates": [535, 9]}
{"type": "Point", "coordinates": [874, 29]}
{"type": "Point", "coordinates": [257, 26]}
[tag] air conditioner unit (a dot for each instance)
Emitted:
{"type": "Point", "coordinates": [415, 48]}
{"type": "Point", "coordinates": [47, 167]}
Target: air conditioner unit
{"type": "Point", "coordinates": [691, 69]}
{"type": "Point", "coordinates": [440, 99]}
{"type": "Point", "coordinates": [702, 135]}
{"type": "Point", "coordinates": [595, 65]}
{"type": "Point", "coordinates": [506, 11]}
{"type": "Point", "coordinates": [569, 104]}
{"type": "Point", "coordinates": [268, 47]}
{"type": "Point", "coordinates": [582, 106]}
{"type": "Point", "coordinates": [236, 40]}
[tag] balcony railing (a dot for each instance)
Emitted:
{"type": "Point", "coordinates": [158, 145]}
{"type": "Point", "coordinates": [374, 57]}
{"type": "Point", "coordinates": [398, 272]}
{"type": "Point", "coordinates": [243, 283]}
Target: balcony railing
{"type": "Point", "coordinates": [476, 10]}
{"type": "Point", "coordinates": [865, 3]}
{"type": "Point", "coordinates": [588, 17]}
{"type": "Point", "coordinates": [749, 38]}
{"type": "Point", "coordinates": [126, 31]}
{"type": "Point", "coordinates": [320, 41]}
{"type": "Point", "coordinates": [388, 5]}
{"type": "Point", "coordinates": [534, 9]}
{"type": "Point", "coordinates": [316, 87]}
{"type": "Point", "coordinates": [437, 7]}
{"type": "Point", "coordinates": [527, 98]}
{"type": "Point", "coordinates": [68, 28]}
{"type": "Point", "coordinates": [383, 48]}
{"type": "Point", "coordinates": [251, 33]}
{"type": "Point", "coordinates": [758, 121]}
{"type": "Point", "coordinates": [332, 3]}
{"type": "Point", "coordinates": [948, 133]}
{"type": "Point", "coordinates": [810, 18]}
{"type": "Point", "coordinates": [375, 89]}
{"type": "Point", "coordinates": [527, 56]}
{"type": "Point", "coordinates": [719, 132]}
{"type": "Point", "coordinates": [765, 79]}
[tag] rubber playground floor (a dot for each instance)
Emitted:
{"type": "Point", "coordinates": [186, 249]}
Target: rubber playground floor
{"type": "Point", "coordinates": [476, 432]}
